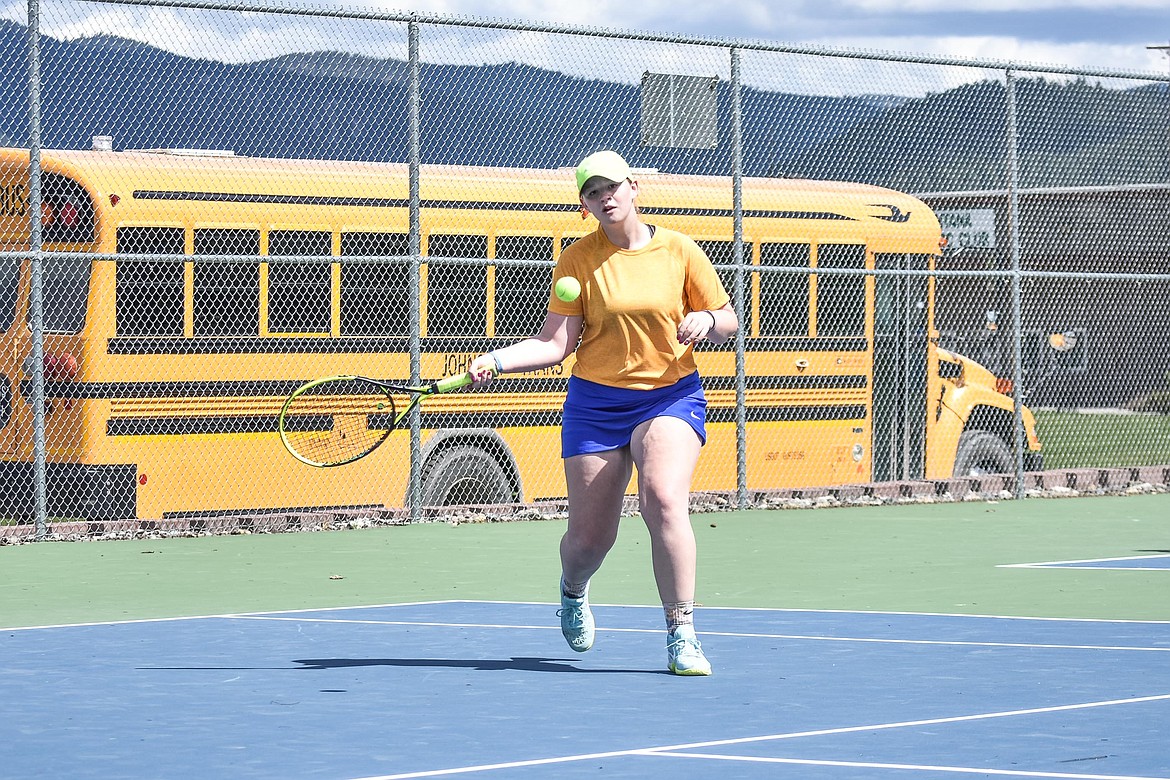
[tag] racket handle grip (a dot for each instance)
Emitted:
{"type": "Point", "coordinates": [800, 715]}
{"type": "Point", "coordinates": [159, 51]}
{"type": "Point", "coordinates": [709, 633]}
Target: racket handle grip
{"type": "Point", "coordinates": [453, 383]}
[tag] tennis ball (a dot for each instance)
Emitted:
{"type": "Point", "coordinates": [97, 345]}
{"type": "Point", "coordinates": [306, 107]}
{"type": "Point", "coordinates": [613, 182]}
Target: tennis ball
{"type": "Point", "coordinates": [568, 289]}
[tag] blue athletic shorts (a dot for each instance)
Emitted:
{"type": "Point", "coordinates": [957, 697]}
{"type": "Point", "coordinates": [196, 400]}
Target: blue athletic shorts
{"type": "Point", "coordinates": [599, 417]}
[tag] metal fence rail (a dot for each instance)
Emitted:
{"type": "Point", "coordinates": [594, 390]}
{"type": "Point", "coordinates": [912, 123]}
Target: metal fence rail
{"type": "Point", "coordinates": [1052, 186]}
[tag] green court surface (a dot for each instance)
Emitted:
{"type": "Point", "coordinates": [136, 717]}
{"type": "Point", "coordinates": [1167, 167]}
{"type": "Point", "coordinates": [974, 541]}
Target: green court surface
{"type": "Point", "coordinates": [943, 558]}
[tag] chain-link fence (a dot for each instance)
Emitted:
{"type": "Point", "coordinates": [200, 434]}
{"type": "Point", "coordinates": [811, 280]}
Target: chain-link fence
{"type": "Point", "coordinates": [206, 204]}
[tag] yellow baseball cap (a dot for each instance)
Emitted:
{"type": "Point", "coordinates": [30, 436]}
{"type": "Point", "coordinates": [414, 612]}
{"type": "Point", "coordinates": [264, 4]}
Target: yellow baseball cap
{"type": "Point", "coordinates": [607, 165]}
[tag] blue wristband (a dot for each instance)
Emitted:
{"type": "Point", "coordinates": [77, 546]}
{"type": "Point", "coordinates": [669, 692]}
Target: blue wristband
{"type": "Point", "coordinates": [499, 366]}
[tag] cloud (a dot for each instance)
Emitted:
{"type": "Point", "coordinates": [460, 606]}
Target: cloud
{"type": "Point", "coordinates": [916, 27]}
{"type": "Point", "coordinates": [991, 6]}
{"type": "Point", "coordinates": [1006, 49]}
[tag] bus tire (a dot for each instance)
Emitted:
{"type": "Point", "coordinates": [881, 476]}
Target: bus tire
{"type": "Point", "coordinates": [980, 453]}
{"type": "Point", "coordinates": [465, 474]}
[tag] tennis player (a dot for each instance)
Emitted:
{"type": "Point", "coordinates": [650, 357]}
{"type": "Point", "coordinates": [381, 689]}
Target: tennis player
{"type": "Point", "coordinates": [647, 296]}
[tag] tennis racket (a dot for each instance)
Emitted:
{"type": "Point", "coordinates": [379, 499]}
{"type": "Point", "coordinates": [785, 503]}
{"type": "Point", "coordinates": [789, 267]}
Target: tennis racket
{"type": "Point", "coordinates": [339, 419]}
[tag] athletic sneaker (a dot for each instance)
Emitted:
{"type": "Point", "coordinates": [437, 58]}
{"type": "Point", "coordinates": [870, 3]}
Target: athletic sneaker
{"type": "Point", "coordinates": [576, 621]}
{"type": "Point", "coordinates": [684, 653]}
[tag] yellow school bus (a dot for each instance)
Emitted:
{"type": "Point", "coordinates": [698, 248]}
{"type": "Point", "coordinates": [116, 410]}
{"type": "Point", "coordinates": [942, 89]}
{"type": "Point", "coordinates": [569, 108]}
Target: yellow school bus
{"type": "Point", "coordinates": [187, 292]}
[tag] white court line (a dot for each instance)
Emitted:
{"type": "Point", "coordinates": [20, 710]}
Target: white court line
{"type": "Point", "coordinates": [917, 767]}
{"type": "Point", "coordinates": [665, 749]}
{"type": "Point", "coordinates": [426, 623]}
{"type": "Point", "coordinates": [291, 616]}
{"type": "Point", "coordinates": [657, 607]}
{"type": "Point", "coordinates": [128, 622]}
{"type": "Point", "coordinates": [1084, 568]}
{"type": "Point", "coordinates": [1055, 564]}
{"type": "Point", "coordinates": [732, 634]}
{"type": "Point", "coordinates": [812, 611]}
{"type": "Point", "coordinates": [231, 615]}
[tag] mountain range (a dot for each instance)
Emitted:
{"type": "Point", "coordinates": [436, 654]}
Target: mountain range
{"type": "Point", "coordinates": [337, 105]}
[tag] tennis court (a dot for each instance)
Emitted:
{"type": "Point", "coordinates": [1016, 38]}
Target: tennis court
{"type": "Point", "coordinates": [1025, 639]}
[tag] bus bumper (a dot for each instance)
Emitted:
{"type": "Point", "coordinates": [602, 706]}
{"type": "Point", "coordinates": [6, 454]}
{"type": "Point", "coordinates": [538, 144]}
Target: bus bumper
{"type": "Point", "coordinates": [73, 491]}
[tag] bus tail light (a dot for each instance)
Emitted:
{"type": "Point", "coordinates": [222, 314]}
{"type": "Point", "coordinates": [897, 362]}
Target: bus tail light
{"type": "Point", "coordinates": [67, 215]}
{"type": "Point", "coordinates": [60, 368]}
{"type": "Point", "coordinates": [1004, 386]}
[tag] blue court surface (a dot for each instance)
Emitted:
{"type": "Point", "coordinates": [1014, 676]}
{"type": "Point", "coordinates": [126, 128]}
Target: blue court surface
{"type": "Point", "coordinates": [489, 690]}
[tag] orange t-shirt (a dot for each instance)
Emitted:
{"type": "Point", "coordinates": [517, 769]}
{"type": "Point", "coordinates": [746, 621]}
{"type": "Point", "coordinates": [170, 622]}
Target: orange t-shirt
{"type": "Point", "coordinates": [632, 301]}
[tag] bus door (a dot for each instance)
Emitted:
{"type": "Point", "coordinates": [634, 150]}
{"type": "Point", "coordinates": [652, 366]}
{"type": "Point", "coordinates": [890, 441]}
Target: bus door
{"type": "Point", "coordinates": [68, 224]}
{"type": "Point", "coordinates": [14, 237]}
{"type": "Point", "coordinates": [11, 354]}
{"type": "Point", "coordinates": [900, 352]}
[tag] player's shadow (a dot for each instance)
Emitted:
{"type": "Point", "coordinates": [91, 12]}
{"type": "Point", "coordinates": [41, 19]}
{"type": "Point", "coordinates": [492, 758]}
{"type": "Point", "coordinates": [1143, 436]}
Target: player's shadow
{"type": "Point", "coordinates": [515, 663]}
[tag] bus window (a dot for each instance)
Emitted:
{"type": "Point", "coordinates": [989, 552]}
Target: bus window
{"type": "Point", "coordinates": [67, 215]}
{"type": "Point", "coordinates": [375, 295]}
{"type": "Point", "coordinates": [784, 296]}
{"type": "Point", "coordinates": [227, 294]}
{"type": "Point", "coordinates": [66, 292]}
{"type": "Point", "coordinates": [841, 297]}
{"type": "Point", "coordinates": [522, 291]}
{"type": "Point", "coordinates": [723, 253]}
{"type": "Point", "coordinates": [299, 293]}
{"type": "Point", "coordinates": [148, 294]}
{"type": "Point", "coordinates": [455, 293]}
{"type": "Point", "coordinates": [9, 288]}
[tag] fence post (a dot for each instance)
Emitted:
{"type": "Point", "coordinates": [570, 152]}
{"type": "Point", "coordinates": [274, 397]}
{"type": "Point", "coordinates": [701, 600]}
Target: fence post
{"type": "Point", "coordinates": [415, 100]}
{"type": "Point", "coordinates": [37, 262]}
{"type": "Point", "coordinates": [740, 283]}
{"type": "Point", "coordinates": [1013, 188]}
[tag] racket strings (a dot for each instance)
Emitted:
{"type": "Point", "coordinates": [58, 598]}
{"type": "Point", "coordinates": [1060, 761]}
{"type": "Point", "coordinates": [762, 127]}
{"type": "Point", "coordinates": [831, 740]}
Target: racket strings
{"type": "Point", "coordinates": [328, 428]}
